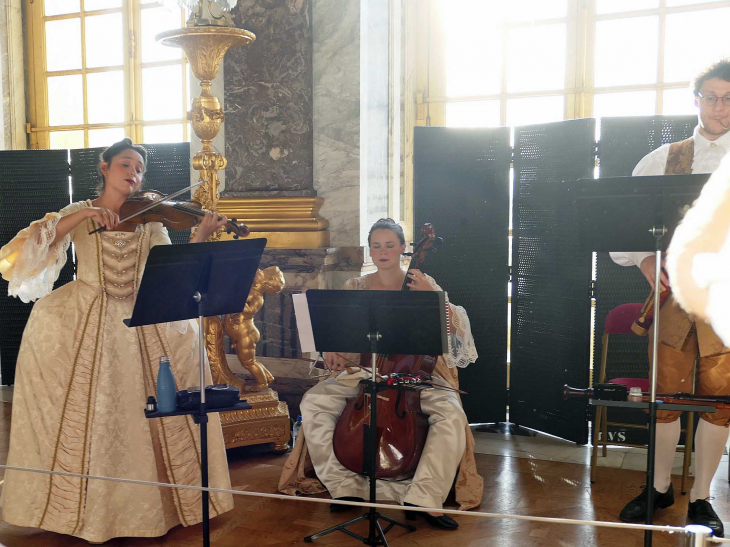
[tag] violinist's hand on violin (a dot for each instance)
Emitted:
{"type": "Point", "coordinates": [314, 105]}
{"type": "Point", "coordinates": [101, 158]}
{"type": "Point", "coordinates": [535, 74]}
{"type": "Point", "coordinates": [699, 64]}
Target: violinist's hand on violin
{"type": "Point", "coordinates": [103, 217]}
{"type": "Point", "coordinates": [337, 362]}
{"type": "Point", "coordinates": [208, 225]}
{"type": "Point", "coordinates": [418, 281]}
{"type": "Point", "coordinates": [648, 268]}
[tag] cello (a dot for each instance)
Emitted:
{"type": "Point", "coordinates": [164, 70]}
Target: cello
{"type": "Point", "coordinates": [402, 427]}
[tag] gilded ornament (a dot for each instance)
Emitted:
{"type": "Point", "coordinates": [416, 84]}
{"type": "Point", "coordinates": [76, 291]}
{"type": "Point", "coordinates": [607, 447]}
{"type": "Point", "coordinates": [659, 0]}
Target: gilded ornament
{"type": "Point", "coordinates": [205, 47]}
{"type": "Point", "coordinates": [244, 334]}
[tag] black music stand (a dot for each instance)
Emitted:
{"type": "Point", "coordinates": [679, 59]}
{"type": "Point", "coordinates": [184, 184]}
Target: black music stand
{"type": "Point", "coordinates": [633, 214]}
{"type": "Point", "coordinates": [385, 322]}
{"type": "Point", "coordinates": [197, 280]}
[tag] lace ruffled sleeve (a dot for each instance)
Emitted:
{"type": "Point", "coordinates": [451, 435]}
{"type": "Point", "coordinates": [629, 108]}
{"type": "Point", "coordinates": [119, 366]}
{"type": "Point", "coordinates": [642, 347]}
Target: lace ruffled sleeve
{"type": "Point", "coordinates": [462, 350]}
{"type": "Point", "coordinates": [30, 263]}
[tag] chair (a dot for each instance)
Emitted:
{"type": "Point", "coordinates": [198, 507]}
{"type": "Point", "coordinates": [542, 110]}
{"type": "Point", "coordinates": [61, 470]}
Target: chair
{"type": "Point", "coordinates": [619, 321]}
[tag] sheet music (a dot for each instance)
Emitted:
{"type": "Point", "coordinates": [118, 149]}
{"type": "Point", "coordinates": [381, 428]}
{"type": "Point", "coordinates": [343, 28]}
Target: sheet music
{"type": "Point", "coordinates": [304, 323]}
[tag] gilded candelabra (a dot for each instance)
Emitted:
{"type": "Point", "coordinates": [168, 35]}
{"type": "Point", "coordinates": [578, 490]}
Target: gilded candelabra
{"type": "Point", "coordinates": [205, 40]}
{"type": "Point", "coordinates": [205, 47]}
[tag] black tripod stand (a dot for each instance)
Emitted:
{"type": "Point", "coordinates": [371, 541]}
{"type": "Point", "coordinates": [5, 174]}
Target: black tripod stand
{"type": "Point", "coordinates": [413, 320]}
{"type": "Point", "coordinates": [197, 280]}
{"type": "Point", "coordinates": [376, 533]}
{"type": "Point", "coordinates": [635, 214]}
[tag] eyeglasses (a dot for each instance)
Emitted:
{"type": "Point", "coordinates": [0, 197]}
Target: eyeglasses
{"type": "Point", "coordinates": [711, 100]}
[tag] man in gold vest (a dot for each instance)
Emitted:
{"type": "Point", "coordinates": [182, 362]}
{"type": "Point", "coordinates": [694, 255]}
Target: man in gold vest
{"type": "Point", "coordinates": [681, 337]}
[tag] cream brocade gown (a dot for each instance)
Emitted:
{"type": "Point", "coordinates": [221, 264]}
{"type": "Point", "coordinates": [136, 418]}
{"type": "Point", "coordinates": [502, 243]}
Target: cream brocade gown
{"type": "Point", "coordinates": [81, 383]}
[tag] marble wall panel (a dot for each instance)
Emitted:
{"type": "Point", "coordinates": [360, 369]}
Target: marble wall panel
{"type": "Point", "coordinates": [336, 120]}
{"type": "Point", "coordinates": [268, 98]}
{"type": "Point", "coordinates": [375, 112]}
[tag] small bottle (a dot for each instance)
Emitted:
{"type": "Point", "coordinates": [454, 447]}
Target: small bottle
{"type": "Point", "coordinates": [166, 389]}
{"type": "Point", "coordinates": [635, 394]}
{"type": "Point", "coordinates": [295, 431]}
{"type": "Point", "coordinates": [151, 404]}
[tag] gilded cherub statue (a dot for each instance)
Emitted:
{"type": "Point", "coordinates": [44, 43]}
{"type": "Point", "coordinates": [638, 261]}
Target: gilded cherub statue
{"type": "Point", "coordinates": [242, 331]}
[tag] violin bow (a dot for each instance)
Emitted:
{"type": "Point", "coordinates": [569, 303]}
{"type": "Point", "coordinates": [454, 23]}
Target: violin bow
{"type": "Point", "coordinates": [152, 205]}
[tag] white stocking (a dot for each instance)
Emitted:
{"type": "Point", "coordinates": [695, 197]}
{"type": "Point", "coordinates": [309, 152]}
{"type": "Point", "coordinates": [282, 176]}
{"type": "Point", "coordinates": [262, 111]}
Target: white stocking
{"type": "Point", "coordinates": [667, 437]}
{"type": "Point", "coordinates": [709, 446]}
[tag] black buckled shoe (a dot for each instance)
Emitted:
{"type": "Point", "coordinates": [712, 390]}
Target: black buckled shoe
{"type": "Point", "coordinates": [339, 508]}
{"type": "Point", "coordinates": [701, 512]}
{"type": "Point", "coordinates": [444, 522]}
{"type": "Point", "coordinates": [635, 510]}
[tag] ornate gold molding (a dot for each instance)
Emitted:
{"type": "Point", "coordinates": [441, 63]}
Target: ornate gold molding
{"type": "Point", "coordinates": [266, 422]}
{"type": "Point", "coordinates": [206, 46]}
{"type": "Point", "coordinates": [239, 416]}
{"type": "Point", "coordinates": [287, 222]}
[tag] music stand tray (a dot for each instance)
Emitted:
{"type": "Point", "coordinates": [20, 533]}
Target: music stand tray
{"type": "Point", "coordinates": [633, 214]}
{"type": "Point", "coordinates": [197, 280]}
{"type": "Point", "coordinates": [385, 322]}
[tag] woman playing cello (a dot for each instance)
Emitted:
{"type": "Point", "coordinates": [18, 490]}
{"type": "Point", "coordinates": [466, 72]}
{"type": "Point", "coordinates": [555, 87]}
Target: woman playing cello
{"type": "Point", "coordinates": [448, 434]}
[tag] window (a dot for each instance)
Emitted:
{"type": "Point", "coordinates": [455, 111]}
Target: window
{"type": "Point", "coordinates": [505, 63]}
{"type": "Point", "coordinates": [647, 52]}
{"type": "Point", "coordinates": [500, 62]}
{"type": "Point", "coordinates": [96, 73]}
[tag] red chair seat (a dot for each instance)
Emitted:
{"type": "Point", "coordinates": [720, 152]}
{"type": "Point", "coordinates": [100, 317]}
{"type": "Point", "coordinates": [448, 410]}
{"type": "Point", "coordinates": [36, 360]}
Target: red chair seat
{"type": "Point", "coordinates": [620, 319]}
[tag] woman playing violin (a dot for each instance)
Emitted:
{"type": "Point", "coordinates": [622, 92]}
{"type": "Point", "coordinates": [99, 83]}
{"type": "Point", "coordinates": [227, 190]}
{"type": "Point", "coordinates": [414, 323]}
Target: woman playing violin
{"type": "Point", "coordinates": [83, 377]}
{"type": "Point", "coordinates": [449, 445]}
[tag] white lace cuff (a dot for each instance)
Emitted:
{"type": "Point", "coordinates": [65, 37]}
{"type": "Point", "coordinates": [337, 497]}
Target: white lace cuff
{"type": "Point", "coordinates": [462, 350]}
{"type": "Point", "coordinates": [30, 262]}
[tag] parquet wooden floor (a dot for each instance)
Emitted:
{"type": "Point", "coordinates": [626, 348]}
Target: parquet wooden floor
{"type": "Point", "coordinates": [512, 485]}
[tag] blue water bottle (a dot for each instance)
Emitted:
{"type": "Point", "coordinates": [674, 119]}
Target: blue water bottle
{"type": "Point", "coordinates": [295, 431]}
{"type": "Point", "coordinates": [166, 389]}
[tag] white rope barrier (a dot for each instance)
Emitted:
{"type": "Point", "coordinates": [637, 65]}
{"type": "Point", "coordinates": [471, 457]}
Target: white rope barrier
{"type": "Point", "coordinates": [547, 520]}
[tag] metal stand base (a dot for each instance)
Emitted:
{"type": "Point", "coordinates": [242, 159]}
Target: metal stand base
{"type": "Point", "coordinates": [377, 534]}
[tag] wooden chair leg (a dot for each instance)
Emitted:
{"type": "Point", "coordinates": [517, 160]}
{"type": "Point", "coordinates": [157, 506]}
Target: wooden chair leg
{"type": "Point", "coordinates": [594, 452]}
{"type": "Point", "coordinates": [688, 440]}
{"type": "Point", "coordinates": [602, 379]}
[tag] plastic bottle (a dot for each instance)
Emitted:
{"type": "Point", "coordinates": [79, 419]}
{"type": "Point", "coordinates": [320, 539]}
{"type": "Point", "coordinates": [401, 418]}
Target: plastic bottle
{"type": "Point", "coordinates": [295, 431]}
{"type": "Point", "coordinates": [635, 395]}
{"type": "Point", "coordinates": [166, 389]}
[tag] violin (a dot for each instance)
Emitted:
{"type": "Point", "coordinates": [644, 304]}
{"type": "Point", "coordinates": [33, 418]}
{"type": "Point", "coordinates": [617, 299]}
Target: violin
{"type": "Point", "coordinates": [153, 206]}
{"type": "Point", "coordinates": [402, 426]}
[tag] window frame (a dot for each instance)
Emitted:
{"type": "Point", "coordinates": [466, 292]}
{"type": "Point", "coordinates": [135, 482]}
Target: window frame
{"type": "Point", "coordinates": [38, 127]}
{"type": "Point", "coordinates": [579, 90]}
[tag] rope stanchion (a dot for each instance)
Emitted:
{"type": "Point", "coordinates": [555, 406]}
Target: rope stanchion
{"type": "Point", "coordinates": [686, 531]}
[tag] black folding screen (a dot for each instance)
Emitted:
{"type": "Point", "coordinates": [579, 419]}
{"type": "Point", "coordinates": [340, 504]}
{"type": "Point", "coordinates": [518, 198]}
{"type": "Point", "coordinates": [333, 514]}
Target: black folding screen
{"type": "Point", "coordinates": [32, 183]}
{"type": "Point", "coordinates": [623, 142]}
{"type": "Point", "coordinates": [551, 279]}
{"type": "Point", "coordinates": [461, 186]}
{"type": "Point", "coordinates": [35, 182]}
